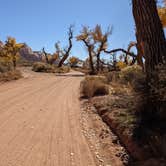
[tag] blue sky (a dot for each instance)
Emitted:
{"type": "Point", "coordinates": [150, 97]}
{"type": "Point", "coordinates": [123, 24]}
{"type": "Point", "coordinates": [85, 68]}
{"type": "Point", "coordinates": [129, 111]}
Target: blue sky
{"type": "Point", "coordinates": [40, 23]}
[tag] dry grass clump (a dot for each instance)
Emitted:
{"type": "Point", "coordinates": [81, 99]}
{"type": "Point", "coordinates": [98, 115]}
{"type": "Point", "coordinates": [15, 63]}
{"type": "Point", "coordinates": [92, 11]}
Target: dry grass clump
{"type": "Point", "coordinates": [160, 89]}
{"type": "Point", "coordinates": [113, 76]}
{"type": "Point", "coordinates": [10, 75]}
{"type": "Point", "coordinates": [42, 67]}
{"type": "Point", "coordinates": [63, 69]}
{"type": "Point", "coordinates": [94, 86]}
{"type": "Point", "coordinates": [47, 68]}
{"type": "Point", "coordinates": [5, 65]}
{"type": "Point", "coordinates": [25, 63]}
{"type": "Point", "coordinates": [6, 71]}
{"type": "Point", "coordinates": [134, 76]}
{"type": "Point", "coordinates": [131, 75]}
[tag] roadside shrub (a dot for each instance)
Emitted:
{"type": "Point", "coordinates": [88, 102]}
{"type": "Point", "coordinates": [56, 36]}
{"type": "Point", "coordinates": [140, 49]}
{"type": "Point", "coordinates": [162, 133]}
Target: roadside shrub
{"type": "Point", "coordinates": [47, 68]}
{"type": "Point", "coordinates": [121, 65]}
{"type": "Point", "coordinates": [25, 63]}
{"type": "Point", "coordinates": [134, 76]}
{"type": "Point", "coordinates": [63, 69]}
{"type": "Point", "coordinates": [94, 86]}
{"type": "Point", "coordinates": [131, 75]}
{"type": "Point", "coordinates": [10, 75]}
{"type": "Point", "coordinates": [43, 67]}
{"type": "Point", "coordinates": [112, 76]}
{"type": "Point", "coordinates": [5, 65]}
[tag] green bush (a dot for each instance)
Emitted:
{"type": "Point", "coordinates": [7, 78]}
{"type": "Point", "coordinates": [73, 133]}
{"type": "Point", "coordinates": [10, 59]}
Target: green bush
{"type": "Point", "coordinates": [94, 86]}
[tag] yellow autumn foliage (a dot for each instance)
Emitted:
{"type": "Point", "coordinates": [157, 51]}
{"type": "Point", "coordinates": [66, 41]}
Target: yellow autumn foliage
{"type": "Point", "coordinates": [162, 15]}
{"type": "Point", "coordinates": [73, 61]}
{"type": "Point", "coordinates": [10, 50]}
{"type": "Point", "coordinates": [121, 65]}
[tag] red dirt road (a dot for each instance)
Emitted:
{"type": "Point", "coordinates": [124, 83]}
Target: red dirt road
{"type": "Point", "coordinates": [40, 122]}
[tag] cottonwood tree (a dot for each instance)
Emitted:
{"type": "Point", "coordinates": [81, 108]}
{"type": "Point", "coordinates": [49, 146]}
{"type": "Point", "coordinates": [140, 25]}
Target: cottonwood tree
{"type": "Point", "coordinates": [100, 40]}
{"type": "Point", "coordinates": [162, 14]}
{"type": "Point", "coordinates": [96, 42]}
{"type": "Point", "coordinates": [64, 53]}
{"type": "Point", "coordinates": [73, 61]}
{"type": "Point", "coordinates": [140, 55]}
{"type": "Point", "coordinates": [11, 50]}
{"type": "Point", "coordinates": [46, 55]}
{"type": "Point", "coordinates": [139, 43]}
{"type": "Point", "coordinates": [53, 58]}
{"type": "Point", "coordinates": [50, 59]}
{"type": "Point", "coordinates": [86, 38]}
{"type": "Point", "coordinates": [150, 31]}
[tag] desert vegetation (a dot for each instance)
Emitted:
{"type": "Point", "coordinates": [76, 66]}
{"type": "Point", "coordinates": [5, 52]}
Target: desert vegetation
{"type": "Point", "coordinates": [9, 53]}
{"type": "Point", "coordinates": [134, 108]}
{"type": "Point", "coordinates": [94, 86]}
{"type": "Point", "coordinates": [47, 68]}
{"type": "Point", "coordinates": [127, 89]}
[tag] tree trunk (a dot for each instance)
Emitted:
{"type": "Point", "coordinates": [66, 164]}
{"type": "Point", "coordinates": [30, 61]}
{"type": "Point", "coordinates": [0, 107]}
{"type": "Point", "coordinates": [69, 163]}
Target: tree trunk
{"type": "Point", "coordinates": [91, 61]}
{"type": "Point", "coordinates": [140, 52]}
{"type": "Point", "coordinates": [63, 60]}
{"type": "Point", "coordinates": [14, 62]}
{"type": "Point", "coordinates": [151, 35]}
{"type": "Point", "coordinates": [149, 29]}
{"type": "Point", "coordinates": [45, 54]}
{"type": "Point", "coordinates": [67, 52]}
{"type": "Point", "coordinates": [47, 61]}
{"type": "Point", "coordinates": [98, 63]}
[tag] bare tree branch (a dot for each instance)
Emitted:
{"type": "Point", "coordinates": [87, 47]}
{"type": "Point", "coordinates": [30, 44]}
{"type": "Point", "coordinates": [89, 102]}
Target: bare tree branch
{"type": "Point", "coordinates": [122, 50]}
{"type": "Point", "coordinates": [67, 51]}
{"type": "Point", "coordinates": [45, 54]}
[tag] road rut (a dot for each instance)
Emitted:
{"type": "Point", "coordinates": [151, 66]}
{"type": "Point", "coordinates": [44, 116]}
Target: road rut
{"type": "Point", "coordinates": [40, 122]}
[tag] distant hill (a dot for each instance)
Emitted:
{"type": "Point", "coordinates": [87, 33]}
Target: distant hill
{"type": "Point", "coordinates": [28, 54]}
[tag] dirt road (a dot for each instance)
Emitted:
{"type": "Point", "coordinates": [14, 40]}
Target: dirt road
{"type": "Point", "coordinates": [39, 122]}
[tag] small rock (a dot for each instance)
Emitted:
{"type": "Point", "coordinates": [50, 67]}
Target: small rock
{"type": "Point", "coordinates": [101, 160]}
{"type": "Point", "coordinates": [72, 154]}
{"type": "Point", "coordinates": [91, 147]}
{"type": "Point", "coordinates": [115, 140]}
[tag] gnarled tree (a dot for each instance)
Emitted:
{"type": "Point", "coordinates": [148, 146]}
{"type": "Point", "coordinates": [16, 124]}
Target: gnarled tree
{"type": "Point", "coordinates": [66, 51]}
{"type": "Point", "coordinates": [73, 61]}
{"type": "Point", "coordinates": [100, 39]}
{"type": "Point", "coordinates": [96, 41]}
{"type": "Point", "coordinates": [85, 37]}
{"type": "Point", "coordinates": [46, 55]}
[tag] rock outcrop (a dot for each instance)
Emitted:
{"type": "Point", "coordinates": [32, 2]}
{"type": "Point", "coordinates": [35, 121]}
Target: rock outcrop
{"type": "Point", "coordinates": [27, 54]}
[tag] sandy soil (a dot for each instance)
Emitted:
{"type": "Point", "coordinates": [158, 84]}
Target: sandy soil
{"type": "Point", "coordinates": [39, 122]}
